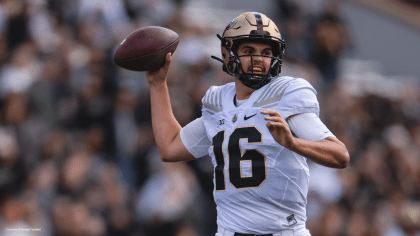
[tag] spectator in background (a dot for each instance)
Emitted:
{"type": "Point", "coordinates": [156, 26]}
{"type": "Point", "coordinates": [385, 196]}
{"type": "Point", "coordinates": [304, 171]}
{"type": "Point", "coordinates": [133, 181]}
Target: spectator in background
{"type": "Point", "coordinates": [296, 31]}
{"type": "Point", "coordinates": [329, 40]}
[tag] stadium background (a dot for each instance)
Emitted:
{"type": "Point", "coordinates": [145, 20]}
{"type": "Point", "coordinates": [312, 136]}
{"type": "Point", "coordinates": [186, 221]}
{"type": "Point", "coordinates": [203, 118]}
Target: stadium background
{"type": "Point", "coordinates": [77, 155]}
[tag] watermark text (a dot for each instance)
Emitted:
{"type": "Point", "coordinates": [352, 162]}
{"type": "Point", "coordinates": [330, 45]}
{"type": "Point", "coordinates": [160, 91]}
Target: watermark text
{"type": "Point", "coordinates": [24, 229]}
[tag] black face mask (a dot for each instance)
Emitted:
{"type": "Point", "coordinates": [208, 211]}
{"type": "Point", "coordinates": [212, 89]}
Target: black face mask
{"type": "Point", "coordinates": [251, 80]}
{"type": "Point", "coordinates": [254, 81]}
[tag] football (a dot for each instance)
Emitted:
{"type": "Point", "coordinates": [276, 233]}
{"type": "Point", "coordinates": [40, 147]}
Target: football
{"type": "Point", "coordinates": [145, 49]}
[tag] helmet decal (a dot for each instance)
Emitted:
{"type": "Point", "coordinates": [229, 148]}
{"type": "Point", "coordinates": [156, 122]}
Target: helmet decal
{"type": "Point", "coordinates": [231, 24]}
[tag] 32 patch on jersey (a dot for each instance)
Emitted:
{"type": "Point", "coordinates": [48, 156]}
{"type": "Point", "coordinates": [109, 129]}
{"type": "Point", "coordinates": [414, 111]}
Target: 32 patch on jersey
{"type": "Point", "coordinates": [221, 122]}
{"type": "Point", "coordinates": [291, 220]}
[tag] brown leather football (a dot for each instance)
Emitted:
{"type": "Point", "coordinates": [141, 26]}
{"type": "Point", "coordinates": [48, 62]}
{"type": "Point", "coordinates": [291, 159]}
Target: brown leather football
{"type": "Point", "coordinates": [145, 49]}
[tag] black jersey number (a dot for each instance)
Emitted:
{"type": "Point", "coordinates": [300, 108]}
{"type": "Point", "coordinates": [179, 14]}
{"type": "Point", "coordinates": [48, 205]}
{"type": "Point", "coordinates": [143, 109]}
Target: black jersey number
{"type": "Point", "coordinates": [237, 157]}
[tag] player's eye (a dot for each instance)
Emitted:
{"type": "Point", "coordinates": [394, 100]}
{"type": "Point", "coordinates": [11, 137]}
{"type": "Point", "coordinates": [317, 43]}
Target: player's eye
{"type": "Point", "coordinates": [267, 53]}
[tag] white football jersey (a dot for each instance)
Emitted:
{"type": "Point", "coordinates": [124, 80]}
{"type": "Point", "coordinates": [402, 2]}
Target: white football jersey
{"type": "Point", "coordinates": [260, 187]}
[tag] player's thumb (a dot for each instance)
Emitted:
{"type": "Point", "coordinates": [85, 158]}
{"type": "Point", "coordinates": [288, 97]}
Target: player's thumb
{"type": "Point", "coordinates": [168, 60]}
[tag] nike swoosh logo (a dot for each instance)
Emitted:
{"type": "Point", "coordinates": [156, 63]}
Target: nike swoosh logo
{"type": "Point", "coordinates": [246, 118]}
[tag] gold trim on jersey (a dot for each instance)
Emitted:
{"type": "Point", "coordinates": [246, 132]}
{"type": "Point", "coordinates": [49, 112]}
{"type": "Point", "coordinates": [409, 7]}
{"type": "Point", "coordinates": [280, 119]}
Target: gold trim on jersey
{"type": "Point", "coordinates": [250, 168]}
{"type": "Point", "coordinates": [224, 159]}
{"type": "Point", "coordinates": [265, 166]}
{"type": "Point", "coordinates": [240, 148]}
{"type": "Point", "coordinates": [243, 153]}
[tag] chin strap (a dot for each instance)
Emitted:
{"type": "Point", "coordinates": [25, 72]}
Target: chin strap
{"type": "Point", "coordinates": [218, 59]}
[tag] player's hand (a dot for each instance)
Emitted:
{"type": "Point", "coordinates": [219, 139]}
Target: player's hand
{"type": "Point", "coordinates": [279, 129]}
{"type": "Point", "coordinates": [159, 76]}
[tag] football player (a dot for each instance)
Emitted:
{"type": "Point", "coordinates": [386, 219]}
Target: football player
{"type": "Point", "coordinates": [259, 131]}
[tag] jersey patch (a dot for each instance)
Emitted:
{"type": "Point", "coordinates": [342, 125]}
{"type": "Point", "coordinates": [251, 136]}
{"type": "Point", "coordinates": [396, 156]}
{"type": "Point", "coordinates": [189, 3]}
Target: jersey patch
{"type": "Point", "coordinates": [273, 93]}
{"type": "Point", "coordinates": [212, 101]}
{"type": "Point", "coordinates": [235, 118]}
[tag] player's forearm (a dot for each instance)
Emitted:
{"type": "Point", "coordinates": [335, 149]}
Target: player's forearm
{"type": "Point", "coordinates": [165, 126]}
{"type": "Point", "coordinates": [328, 152]}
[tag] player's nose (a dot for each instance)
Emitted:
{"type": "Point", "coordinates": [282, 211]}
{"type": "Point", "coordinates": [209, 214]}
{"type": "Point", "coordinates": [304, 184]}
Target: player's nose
{"type": "Point", "coordinates": [257, 58]}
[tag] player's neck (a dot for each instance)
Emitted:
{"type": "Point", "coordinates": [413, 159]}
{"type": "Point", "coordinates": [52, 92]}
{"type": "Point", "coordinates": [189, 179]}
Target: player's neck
{"type": "Point", "coordinates": [242, 91]}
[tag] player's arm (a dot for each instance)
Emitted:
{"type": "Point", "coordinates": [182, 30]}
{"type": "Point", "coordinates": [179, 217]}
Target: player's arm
{"type": "Point", "coordinates": [166, 128]}
{"type": "Point", "coordinates": [328, 151]}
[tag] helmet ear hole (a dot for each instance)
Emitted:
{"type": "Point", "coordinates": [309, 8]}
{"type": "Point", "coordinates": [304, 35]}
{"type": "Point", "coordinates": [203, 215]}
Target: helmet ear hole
{"type": "Point", "coordinates": [230, 66]}
{"type": "Point", "coordinates": [226, 44]}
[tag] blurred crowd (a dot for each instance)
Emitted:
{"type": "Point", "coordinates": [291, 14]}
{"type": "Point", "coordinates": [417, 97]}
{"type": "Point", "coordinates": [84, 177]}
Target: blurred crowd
{"type": "Point", "coordinates": [77, 153]}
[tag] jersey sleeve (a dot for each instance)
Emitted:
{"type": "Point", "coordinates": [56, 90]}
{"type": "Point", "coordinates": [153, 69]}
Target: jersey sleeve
{"type": "Point", "coordinates": [299, 97]}
{"type": "Point", "coordinates": [194, 138]}
{"type": "Point", "coordinates": [309, 126]}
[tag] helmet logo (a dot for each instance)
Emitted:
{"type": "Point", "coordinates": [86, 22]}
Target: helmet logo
{"type": "Point", "coordinates": [231, 24]}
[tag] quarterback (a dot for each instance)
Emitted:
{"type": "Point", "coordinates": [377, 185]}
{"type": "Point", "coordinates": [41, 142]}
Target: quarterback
{"type": "Point", "coordinates": [259, 131]}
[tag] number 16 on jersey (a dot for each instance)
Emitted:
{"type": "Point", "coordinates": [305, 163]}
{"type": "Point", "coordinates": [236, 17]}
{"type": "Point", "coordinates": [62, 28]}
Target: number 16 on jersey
{"type": "Point", "coordinates": [236, 158]}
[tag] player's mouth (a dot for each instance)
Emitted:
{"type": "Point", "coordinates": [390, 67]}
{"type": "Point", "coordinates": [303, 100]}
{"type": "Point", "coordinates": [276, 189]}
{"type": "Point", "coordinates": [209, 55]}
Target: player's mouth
{"type": "Point", "coordinates": [256, 70]}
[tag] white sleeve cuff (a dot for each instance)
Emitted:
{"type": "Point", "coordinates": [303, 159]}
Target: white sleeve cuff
{"type": "Point", "coordinates": [194, 137]}
{"type": "Point", "coordinates": [309, 126]}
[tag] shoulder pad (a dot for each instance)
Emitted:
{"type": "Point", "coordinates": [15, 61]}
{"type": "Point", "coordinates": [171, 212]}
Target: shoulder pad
{"type": "Point", "coordinates": [212, 101]}
{"type": "Point", "coordinates": [273, 92]}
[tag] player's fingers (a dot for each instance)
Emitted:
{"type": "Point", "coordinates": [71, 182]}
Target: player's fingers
{"type": "Point", "coordinates": [270, 126]}
{"type": "Point", "coordinates": [161, 73]}
{"type": "Point", "coordinates": [277, 125]}
{"type": "Point", "coordinates": [275, 119]}
{"type": "Point", "coordinates": [168, 60]}
{"type": "Point", "coordinates": [271, 113]}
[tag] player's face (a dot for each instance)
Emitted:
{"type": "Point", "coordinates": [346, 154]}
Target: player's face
{"type": "Point", "coordinates": [260, 64]}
